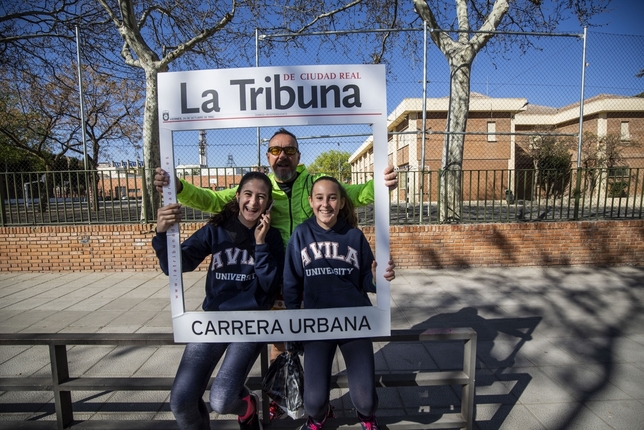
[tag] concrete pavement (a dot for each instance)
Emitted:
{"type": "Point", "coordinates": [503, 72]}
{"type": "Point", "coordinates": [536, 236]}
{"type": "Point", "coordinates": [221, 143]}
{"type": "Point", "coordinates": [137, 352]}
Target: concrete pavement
{"type": "Point", "coordinates": [558, 348]}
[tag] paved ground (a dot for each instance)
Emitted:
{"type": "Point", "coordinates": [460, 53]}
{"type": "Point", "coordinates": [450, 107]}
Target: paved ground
{"type": "Point", "coordinates": [559, 348]}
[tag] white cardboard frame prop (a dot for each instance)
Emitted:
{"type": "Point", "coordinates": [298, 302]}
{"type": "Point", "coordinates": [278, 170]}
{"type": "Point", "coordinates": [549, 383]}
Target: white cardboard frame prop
{"type": "Point", "coordinates": [268, 96]}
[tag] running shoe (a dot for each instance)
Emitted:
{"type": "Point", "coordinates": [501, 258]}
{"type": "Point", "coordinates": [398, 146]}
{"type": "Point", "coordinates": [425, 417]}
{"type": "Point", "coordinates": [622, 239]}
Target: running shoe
{"type": "Point", "coordinates": [369, 423]}
{"type": "Point", "coordinates": [311, 425]}
{"type": "Point", "coordinates": [252, 423]}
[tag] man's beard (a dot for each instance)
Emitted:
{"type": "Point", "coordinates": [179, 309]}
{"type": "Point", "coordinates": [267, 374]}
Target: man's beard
{"type": "Point", "coordinates": [284, 176]}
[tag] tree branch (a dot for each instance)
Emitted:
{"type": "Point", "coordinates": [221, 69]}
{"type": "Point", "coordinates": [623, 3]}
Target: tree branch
{"type": "Point", "coordinates": [441, 39]}
{"type": "Point", "coordinates": [491, 23]}
{"type": "Point", "coordinates": [328, 14]}
{"type": "Point", "coordinates": [205, 34]}
{"type": "Point", "coordinates": [463, 21]}
{"type": "Point", "coordinates": [377, 57]}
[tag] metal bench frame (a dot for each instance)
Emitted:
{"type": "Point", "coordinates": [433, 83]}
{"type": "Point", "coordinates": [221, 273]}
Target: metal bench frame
{"type": "Point", "coordinates": [61, 384]}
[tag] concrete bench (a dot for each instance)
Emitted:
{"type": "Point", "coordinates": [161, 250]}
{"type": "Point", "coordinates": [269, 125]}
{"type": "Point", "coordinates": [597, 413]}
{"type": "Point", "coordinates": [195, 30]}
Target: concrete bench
{"type": "Point", "coordinates": [62, 385]}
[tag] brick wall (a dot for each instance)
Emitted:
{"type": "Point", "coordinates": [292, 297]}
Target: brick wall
{"type": "Point", "coordinates": [127, 247]}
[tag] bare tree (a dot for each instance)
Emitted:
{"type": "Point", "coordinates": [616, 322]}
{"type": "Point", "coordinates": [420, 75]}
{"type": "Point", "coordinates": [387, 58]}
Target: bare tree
{"type": "Point", "coordinates": [158, 33]}
{"type": "Point", "coordinates": [551, 156]}
{"type": "Point", "coordinates": [150, 35]}
{"type": "Point", "coordinates": [35, 118]}
{"type": "Point", "coordinates": [41, 114]}
{"type": "Point", "coordinates": [139, 29]}
{"type": "Point", "coordinates": [473, 23]}
{"type": "Point", "coordinates": [603, 158]}
{"type": "Point", "coordinates": [113, 114]}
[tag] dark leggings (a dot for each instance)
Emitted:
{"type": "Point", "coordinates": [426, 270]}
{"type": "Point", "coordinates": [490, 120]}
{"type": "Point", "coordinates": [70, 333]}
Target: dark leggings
{"type": "Point", "coordinates": [318, 361]}
{"type": "Point", "coordinates": [197, 364]}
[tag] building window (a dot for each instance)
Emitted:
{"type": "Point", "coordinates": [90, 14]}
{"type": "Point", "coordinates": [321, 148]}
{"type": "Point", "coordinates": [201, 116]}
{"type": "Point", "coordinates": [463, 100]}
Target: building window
{"type": "Point", "coordinates": [491, 130]}
{"type": "Point", "coordinates": [624, 132]}
{"type": "Point", "coordinates": [618, 172]}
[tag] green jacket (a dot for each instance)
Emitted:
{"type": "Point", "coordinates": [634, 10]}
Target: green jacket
{"type": "Point", "coordinates": [286, 213]}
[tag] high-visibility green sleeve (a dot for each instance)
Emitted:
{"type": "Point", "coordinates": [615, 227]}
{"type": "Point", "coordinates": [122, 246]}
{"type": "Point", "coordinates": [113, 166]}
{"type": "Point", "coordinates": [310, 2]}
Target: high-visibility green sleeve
{"type": "Point", "coordinates": [361, 194]}
{"type": "Point", "coordinates": [205, 199]}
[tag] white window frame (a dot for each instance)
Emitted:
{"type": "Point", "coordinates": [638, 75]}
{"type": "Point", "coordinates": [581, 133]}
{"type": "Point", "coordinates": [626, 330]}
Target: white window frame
{"type": "Point", "coordinates": [491, 131]}
{"type": "Point", "coordinates": [624, 131]}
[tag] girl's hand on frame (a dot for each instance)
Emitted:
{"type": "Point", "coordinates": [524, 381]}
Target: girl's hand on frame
{"type": "Point", "coordinates": [167, 216]}
{"type": "Point", "coordinates": [390, 273]}
{"type": "Point", "coordinates": [162, 179]}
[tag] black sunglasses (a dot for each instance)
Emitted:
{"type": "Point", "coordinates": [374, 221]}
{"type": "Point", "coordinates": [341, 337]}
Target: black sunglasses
{"type": "Point", "coordinates": [277, 150]}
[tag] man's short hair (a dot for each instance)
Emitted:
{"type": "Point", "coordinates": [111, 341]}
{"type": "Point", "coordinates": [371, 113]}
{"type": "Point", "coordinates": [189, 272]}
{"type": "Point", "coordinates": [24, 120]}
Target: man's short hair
{"type": "Point", "coordinates": [285, 131]}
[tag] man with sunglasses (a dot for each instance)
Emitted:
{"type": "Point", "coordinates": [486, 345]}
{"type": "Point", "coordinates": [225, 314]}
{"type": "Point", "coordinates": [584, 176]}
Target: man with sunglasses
{"type": "Point", "coordinates": [291, 186]}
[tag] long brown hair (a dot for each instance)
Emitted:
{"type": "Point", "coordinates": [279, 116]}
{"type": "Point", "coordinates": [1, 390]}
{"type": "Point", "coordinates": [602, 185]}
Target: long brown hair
{"type": "Point", "coordinates": [348, 212]}
{"type": "Point", "coordinates": [231, 209]}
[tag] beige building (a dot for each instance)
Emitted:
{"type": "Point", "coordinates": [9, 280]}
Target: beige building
{"type": "Point", "coordinates": [491, 144]}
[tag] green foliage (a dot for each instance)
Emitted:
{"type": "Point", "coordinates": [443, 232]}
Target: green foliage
{"type": "Point", "coordinates": [604, 151]}
{"type": "Point", "coordinates": [604, 154]}
{"type": "Point", "coordinates": [18, 160]}
{"type": "Point", "coordinates": [618, 188]}
{"type": "Point", "coordinates": [14, 160]}
{"type": "Point", "coordinates": [551, 156]}
{"type": "Point", "coordinates": [335, 163]}
{"type": "Point", "coordinates": [554, 173]}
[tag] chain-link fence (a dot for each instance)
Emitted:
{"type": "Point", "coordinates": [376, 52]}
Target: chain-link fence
{"type": "Point", "coordinates": [522, 156]}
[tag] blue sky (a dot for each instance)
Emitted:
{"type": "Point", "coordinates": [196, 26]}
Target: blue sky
{"type": "Point", "coordinates": [551, 74]}
{"type": "Point", "coordinates": [625, 17]}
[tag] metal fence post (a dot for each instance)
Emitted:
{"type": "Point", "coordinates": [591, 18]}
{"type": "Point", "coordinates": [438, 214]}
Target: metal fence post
{"type": "Point", "coordinates": [3, 196]}
{"type": "Point", "coordinates": [144, 197]}
{"type": "Point", "coordinates": [577, 195]}
{"type": "Point", "coordinates": [60, 373]}
{"type": "Point", "coordinates": [469, 367]}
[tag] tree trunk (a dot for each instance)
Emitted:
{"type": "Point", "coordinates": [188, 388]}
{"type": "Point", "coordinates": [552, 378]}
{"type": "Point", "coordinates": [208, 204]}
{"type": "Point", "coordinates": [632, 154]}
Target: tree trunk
{"type": "Point", "coordinates": [459, 54]}
{"type": "Point", "coordinates": [151, 200]}
{"type": "Point", "coordinates": [452, 160]}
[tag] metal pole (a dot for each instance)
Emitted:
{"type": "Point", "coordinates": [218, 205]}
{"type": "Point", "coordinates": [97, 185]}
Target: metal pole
{"type": "Point", "coordinates": [259, 150]}
{"type": "Point", "coordinates": [581, 129]}
{"type": "Point", "coordinates": [423, 138]}
{"type": "Point", "coordinates": [581, 100]}
{"type": "Point", "coordinates": [82, 103]}
{"type": "Point", "coordinates": [91, 197]}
